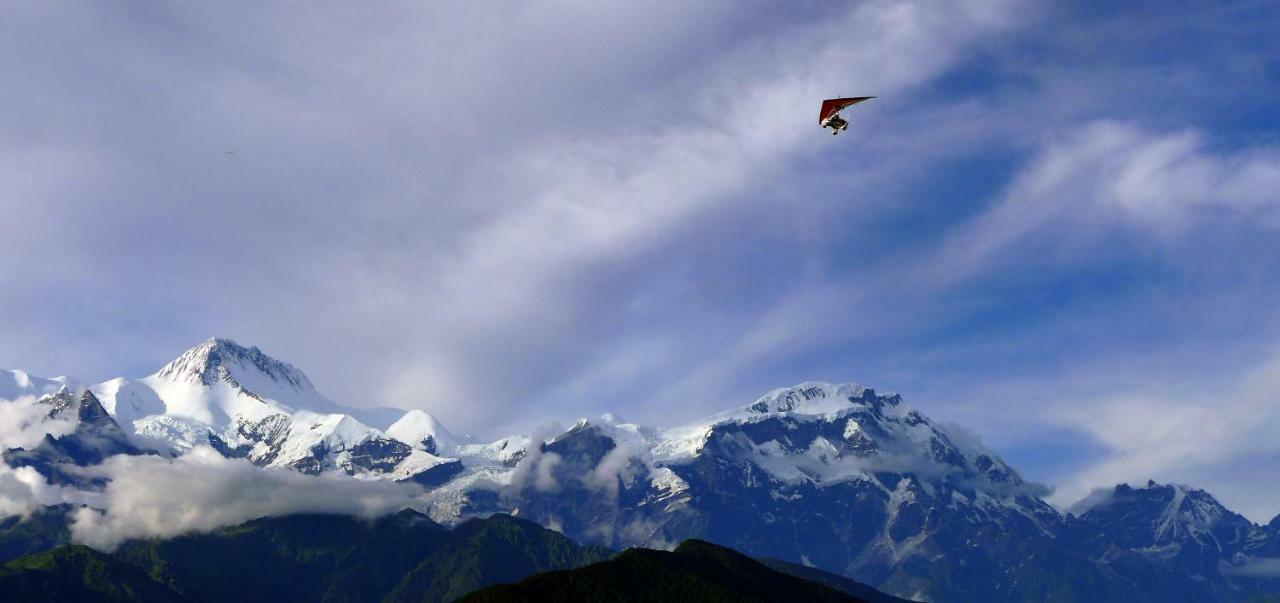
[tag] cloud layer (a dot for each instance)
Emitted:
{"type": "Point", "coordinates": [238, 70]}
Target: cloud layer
{"type": "Point", "coordinates": [152, 497]}
{"type": "Point", "coordinates": [23, 423]}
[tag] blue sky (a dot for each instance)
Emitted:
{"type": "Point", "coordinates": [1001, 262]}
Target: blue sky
{"type": "Point", "coordinates": [1055, 227]}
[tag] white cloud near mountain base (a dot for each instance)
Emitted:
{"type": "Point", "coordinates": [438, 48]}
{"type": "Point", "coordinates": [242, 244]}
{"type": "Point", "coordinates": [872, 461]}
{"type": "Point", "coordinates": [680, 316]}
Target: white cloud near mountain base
{"type": "Point", "coordinates": [153, 497]}
{"type": "Point", "coordinates": [23, 490]}
{"type": "Point", "coordinates": [1256, 568]}
{"type": "Point", "coordinates": [23, 423]}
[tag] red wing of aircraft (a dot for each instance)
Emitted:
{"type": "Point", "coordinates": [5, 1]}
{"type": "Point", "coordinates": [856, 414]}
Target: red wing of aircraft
{"type": "Point", "coordinates": [832, 106]}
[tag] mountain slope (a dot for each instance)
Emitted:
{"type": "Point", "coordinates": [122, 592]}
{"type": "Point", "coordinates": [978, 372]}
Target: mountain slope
{"type": "Point", "coordinates": [273, 559]}
{"type": "Point", "coordinates": [42, 530]}
{"type": "Point", "coordinates": [695, 571]}
{"type": "Point", "coordinates": [404, 556]}
{"type": "Point", "coordinates": [401, 557]}
{"type": "Point", "coordinates": [836, 581]}
{"type": "Point", "coordinates": [1177, 536]}
{"type": "Point", "coordinates": [76, 573]}
{"type": "Point", "coordinates": [333, 558]}
{"type": "Point", "coordinates": [483, 552]}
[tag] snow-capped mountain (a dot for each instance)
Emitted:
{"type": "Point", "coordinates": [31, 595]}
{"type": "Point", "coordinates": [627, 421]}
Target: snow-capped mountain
{"type": "Point", "coordinates": [1178, 534]}
{"type": "Point", "coordinates": [421, 430]}
{"type": "Point", "coordinates": [813, 435]}
{"type": "Point", "coordinates": [245, 404]}
{"type": "Point", "coordinates": [17, 384]}
{"type": "Point", "coordinates": [835, 476]}
{"type": "Point", "coordinates": [1167, 520]}
{"type": "Point", "coordinates": [849, 480]}
{"type": "Point", "coordinates": [217, 382]}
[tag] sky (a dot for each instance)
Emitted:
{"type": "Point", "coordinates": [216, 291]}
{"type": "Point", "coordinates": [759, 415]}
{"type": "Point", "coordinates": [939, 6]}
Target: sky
{"type": "Point", "coordinates": [1055, 226]}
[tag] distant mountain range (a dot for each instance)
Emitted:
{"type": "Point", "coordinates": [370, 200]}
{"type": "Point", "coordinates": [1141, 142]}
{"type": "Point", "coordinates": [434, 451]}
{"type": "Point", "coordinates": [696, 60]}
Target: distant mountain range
{"type": "Point", "coordinates": [828, 476]}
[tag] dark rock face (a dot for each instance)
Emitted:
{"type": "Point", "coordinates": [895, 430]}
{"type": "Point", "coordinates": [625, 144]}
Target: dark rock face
{"type": "Point", "coordinates": [1268, 544]}
{"type": "Point", "coordinates": [377, 455]}
{"type": "Point", "coordinates": [270, 435]}
{"type": "Point", "coordinates": [96, 437]}
{"type": "Point", "coordinates": [59, 403]}
{"type": "Point", "coordinates": [227, 450]}
{"type": "Point", "coordinates": [437, 475]}
{"type": "Point", "coordinates": [272, 430]}
{"type": "Point", "coordinates": [381, 455]}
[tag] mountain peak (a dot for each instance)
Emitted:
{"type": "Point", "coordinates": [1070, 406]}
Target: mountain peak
{"type": "Point", "coordinates": [1168, 513]}
{"type": "Point", "coordinates": [422, 430]}
{"type": "Point", "coordinates": [91, 410]}
{"type": "Point", "coordinates": [221, 359]}
{"type": "Point", "coordinates": [59, 401]}
{"type": "Point", "coordinates": [819, 397]}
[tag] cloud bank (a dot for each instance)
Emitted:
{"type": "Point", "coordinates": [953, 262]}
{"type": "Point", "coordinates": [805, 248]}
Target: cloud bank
{"type": "Point", "coordinates": [1256, 568]}
{"type": "Point", "coordinates": [151, 497]}
{"type": "Point", "coordinates": [23, 423]}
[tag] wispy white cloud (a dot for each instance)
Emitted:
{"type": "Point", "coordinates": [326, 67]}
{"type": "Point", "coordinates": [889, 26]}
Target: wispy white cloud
{"type": "Point", "coordinates": [1087, 188]}
{"type": "Point", "coordinates": [602, 201]}
{"type": "Point", "coordinates": [616, 468]}
{"type": "Point", "coordinates": [1258, 568]}
{"type": "Point", "coordinates": [454, 201]}
{"type": "Point", "coordinates": [537, 467]}
{"type": "Point", "coordinates": [1091, 180]}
